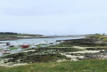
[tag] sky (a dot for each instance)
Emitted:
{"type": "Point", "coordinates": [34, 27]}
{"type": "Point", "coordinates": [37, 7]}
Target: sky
{"type": "Point", "coordinates": [53, 17]}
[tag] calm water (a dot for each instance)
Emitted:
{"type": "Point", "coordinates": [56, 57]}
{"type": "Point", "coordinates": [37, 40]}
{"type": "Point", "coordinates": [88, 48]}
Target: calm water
{"type": "Point", "coordinates": [39, 40]}
{"type": "Point", "coordinates": [33, 42]}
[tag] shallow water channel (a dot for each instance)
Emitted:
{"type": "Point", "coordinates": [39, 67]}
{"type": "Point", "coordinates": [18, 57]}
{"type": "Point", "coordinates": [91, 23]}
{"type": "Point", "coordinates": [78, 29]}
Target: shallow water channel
{"type": "Point", "coordinates": [31, 42]}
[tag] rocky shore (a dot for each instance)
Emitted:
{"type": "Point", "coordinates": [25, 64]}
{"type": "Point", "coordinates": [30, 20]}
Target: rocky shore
{"type": "Point", "coordinates": [67, 50]}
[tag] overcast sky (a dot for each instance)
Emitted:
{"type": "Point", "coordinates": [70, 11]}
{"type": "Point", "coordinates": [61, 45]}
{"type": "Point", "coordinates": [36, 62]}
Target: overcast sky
{"type": "Point", "coordinates": [50, 17]}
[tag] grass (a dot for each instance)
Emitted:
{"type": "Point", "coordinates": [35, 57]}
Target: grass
{"type": "Point", "coordinates": [80, 66]}
{"type": "Point", "coordinates": [98, 36]}
{"type": "Point", "coordinates": [13, 48]}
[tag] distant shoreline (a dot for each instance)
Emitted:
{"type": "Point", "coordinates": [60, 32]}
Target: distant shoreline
{"type": "Point", "coordinates": [4, 36]}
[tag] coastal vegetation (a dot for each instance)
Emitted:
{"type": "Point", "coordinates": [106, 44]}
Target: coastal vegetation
{"type": "Point", "coordinates": [68, 66]}
{"type": "Point", "coordinates": [87, 54]}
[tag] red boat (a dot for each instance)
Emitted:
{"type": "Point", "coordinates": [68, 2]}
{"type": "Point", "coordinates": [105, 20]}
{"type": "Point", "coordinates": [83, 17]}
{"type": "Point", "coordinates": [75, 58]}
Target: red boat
{"type": "Point", "coordinates": [25, 46]}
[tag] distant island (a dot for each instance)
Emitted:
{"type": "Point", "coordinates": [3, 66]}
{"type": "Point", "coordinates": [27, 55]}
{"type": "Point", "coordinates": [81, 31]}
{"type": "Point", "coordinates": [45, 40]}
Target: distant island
{"type": "Point", "coordinates": [15, 36]}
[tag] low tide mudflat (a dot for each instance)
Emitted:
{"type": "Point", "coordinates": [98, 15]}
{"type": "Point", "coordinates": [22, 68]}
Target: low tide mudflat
{"type": "Point", "coordinates": [78, 55]}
